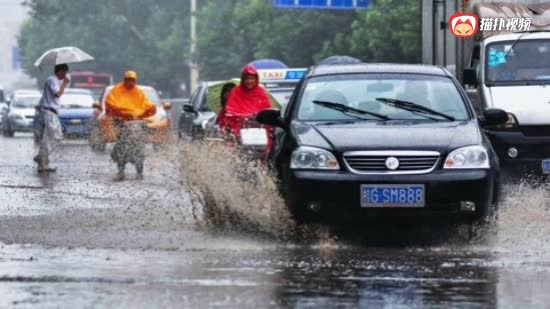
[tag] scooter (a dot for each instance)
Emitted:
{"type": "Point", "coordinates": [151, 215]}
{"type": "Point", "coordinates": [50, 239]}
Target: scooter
{"type": "Point", "coordinates": [129, 146]}
{"type": "Point", "coordinates": [248, 137]}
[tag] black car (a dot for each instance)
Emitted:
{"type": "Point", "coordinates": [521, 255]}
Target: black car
{"type": "Point", "coordinates": [384, 141]}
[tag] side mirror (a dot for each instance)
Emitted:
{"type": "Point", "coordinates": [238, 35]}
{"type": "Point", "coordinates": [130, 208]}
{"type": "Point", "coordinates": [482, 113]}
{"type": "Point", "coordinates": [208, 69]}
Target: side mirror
{"type": "Point", "coordinates": [96, 105]}
{"type": "Point", "coordinates": [470, 77]}
{"type": "Point", "coordinates": [270, 117]}
{"type": "Point", "coordinates": [495, 116]}
{"type": "Point", "coordinates": [167, 105]}
{"type": "Point", "coordinates": [188, 108]}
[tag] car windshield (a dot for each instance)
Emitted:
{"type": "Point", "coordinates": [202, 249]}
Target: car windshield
{"type": "Point", "coordinates": [381, 95]}
{"type": "Point", "coordinates": [25, 101]}
{"type": "Point", "coordinates": [152, 95]}
{"type": "Point", "coordinates": [524, 61]}
{"type": "Point", "coordinates": [282, 96]}
{"type": "Point", "coordinates": [76, 100]}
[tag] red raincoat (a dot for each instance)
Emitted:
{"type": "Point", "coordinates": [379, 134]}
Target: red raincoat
{"type": "Point", "coordinates": [244, 104]}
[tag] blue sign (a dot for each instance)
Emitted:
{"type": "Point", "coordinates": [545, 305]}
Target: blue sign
{"type": "Point", "coordinates": [322, 4]}
{"type": "Point", "coordinates": [295, 74]}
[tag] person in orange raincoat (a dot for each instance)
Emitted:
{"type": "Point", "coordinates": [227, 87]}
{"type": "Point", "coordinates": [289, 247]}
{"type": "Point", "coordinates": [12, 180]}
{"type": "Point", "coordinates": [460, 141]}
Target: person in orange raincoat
{"type": "Point", "coordinates": [125, 104]}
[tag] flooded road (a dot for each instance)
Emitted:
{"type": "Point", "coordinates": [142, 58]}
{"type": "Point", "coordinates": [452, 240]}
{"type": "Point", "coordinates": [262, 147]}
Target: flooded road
{"type": "Point", "coordinates": [78, 239]}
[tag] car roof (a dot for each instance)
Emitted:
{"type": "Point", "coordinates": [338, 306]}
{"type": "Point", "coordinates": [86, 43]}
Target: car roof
{"type": "Point", "coordinates": [376, 68]}
{"type": "Point", "coordinates": [26, 92]}
{"type": "Point", "coordinates": [78, 91]}
{"type": "Point", "coordinates": [214, 82]}
{"type": "Point", "coordinates": [533, 35]}
{"type": "Point", "coordinates": [142, 87]}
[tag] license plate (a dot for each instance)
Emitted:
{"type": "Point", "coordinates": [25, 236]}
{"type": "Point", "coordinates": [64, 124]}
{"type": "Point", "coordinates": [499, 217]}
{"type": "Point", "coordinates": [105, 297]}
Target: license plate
{"type": "Point", "coordinates": [398, 196]}
{"type": "Point", "coordinates": [546, 166]}
{"type": "Point", "coordinates": [75, 129]}
{"type": "Point", "coordinates": [76, 121]}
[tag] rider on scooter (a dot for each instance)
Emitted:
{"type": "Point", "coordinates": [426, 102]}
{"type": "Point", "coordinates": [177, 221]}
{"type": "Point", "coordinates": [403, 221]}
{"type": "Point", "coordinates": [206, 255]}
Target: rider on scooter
{"type": "Point", "coordinates": [244, 101]}
{"type": "Point", "coordinates": [127, 104]}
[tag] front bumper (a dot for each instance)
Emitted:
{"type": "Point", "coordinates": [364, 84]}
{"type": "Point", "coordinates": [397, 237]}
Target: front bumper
{"type": "Point", "coordinates": [75, 126]}
{"type": "Point", "coordinates": [531, 150]}
{"type": "Point", "coordinates": [21, 125]}
{"type": "Point", "coordinates": [339, 194]}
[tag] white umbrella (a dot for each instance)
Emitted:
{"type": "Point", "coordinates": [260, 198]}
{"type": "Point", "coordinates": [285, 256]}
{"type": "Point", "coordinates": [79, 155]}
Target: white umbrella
{"type": "Point", "coordinates": [63, 55]}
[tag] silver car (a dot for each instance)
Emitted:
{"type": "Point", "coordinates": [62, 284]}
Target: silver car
{"type": "Point", "coordinates": [20, 112]}
{"type": "Point", "coordinates": [3, 105]}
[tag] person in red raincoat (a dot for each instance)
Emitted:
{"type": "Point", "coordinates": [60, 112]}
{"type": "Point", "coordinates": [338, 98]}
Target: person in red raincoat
{"type": "Point", "coordinates": [245, 101]}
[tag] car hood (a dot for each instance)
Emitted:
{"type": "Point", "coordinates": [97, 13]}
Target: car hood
{"type": "Point", "coordinates": [76, 112]}
{"type": "Point", "coordinates": [25, 112]}
{"type": "Point", "coordinates": [391, 135]}
{"type": "Point", "coordinates": [530, 104]}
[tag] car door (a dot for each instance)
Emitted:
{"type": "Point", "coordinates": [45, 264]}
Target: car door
{"type": "Point", "coordinates": [189, 113]}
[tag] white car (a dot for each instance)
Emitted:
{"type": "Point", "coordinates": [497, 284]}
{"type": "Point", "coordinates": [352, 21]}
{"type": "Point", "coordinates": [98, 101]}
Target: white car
{"type": "Point", "coordinates": [3, 105]}
{"type": "Point", "coordinates": [20, 113]}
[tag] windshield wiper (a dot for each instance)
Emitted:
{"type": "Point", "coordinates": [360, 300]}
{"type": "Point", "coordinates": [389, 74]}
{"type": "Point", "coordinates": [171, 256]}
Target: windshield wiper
{"type": "Point", "coordinates": [515, 43]}
{"type": "Point", "coordinates": [413, 107]}
{"type": "Point", "coordinates": [346, 109]}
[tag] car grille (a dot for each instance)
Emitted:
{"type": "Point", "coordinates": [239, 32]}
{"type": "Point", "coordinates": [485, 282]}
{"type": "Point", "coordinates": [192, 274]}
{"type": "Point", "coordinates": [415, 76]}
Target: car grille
{"type": "Point", "coordinates": [374, 162]}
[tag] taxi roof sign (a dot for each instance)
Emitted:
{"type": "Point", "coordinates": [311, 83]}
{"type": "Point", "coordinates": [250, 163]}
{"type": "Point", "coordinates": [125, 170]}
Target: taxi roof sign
{"type": "Point", "coordinates": [281, 74]}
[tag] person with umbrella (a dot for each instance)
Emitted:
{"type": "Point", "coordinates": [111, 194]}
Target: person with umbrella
{"type": "Point", "coordinates": [49, 126]}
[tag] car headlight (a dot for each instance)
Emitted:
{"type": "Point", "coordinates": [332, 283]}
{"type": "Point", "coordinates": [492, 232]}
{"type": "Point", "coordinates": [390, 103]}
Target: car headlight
{"type": "Point", "coordinates": [161, 114]}
{"type": "Point", "coordinates": [16, 116]}
{"type": "Point", "coordinates": [467, 158]}
{"type": "Point", "coordinates": [313, 158]}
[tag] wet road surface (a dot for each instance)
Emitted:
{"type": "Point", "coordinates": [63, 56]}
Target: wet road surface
{"type": "Point", "coordinates": [78, 239]}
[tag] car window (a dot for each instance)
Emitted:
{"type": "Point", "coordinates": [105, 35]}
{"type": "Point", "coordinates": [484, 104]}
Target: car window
{"type": "Point", "coordinates": [282, 96]}
{"type": "Point", "coordinates": [360, 91]}
{"type": "Point", "coordinates": [153, 96]}
{"type": "Point", "coordinates": [2, 98]}
{"type": "Point", "coordinates": [194, 96]}
{"type": "Point", "coordinates": [525, 61]}
{"type": "Point", "coordinates": [200, 99]}
{"type": "Point", "coordinates": [76, 100]}
{"type": "Point", "coordinates": [25, 101]}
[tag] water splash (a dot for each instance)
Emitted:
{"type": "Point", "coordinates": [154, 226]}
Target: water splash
{"type": "Point", "coordinates": [234, 192]}
{"type": "Point", "coordinates": [524, 217]}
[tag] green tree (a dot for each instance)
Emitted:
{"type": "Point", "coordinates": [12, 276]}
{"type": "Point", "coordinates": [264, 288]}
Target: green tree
{"type": "Point", "coordinates": [389, 32]}
{"type": "Point", "coordinates": [124, 34]}
{"type": "Point", "coordinates": [233, 33]}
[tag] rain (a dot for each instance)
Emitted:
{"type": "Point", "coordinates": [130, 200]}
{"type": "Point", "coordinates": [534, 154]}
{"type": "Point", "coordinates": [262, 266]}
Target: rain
{"type": "Point", "coordinates": [273, 153]}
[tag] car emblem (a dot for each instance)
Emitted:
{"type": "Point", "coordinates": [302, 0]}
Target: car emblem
{"type": "Point", "coordinates": [392, 163]}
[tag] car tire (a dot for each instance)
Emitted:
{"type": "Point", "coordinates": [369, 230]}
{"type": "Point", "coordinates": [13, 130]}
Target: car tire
{"type": "Point", "coordinates": [297, 209]}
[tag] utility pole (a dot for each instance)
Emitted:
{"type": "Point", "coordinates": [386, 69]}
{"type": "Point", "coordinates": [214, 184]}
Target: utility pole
{"type": "Point", "coordinates": [193, 70]}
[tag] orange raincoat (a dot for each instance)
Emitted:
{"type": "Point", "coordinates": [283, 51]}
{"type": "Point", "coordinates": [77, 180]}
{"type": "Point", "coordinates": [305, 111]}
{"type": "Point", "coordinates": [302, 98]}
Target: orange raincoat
{"type": "Point", "coordinates": [127, 104]}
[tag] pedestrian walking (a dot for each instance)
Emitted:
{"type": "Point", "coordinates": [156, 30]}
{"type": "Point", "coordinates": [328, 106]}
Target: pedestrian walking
{"type": "Point", "coordinates": [49, 131]}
